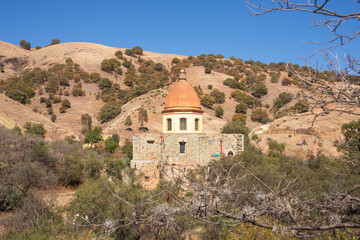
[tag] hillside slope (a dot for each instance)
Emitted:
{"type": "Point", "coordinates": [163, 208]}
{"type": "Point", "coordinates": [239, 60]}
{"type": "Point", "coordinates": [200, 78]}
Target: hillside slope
{"type": "Point", "coordinates": [89, 57]}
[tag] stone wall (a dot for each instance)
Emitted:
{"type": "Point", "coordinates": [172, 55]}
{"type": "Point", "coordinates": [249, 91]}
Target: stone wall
{"type": "Point", "coordinates": [157, 155]}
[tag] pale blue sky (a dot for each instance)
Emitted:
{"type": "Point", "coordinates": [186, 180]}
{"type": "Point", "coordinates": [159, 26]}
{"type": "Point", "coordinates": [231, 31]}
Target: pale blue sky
{"type": "Point", "coordinates": [182, 27]}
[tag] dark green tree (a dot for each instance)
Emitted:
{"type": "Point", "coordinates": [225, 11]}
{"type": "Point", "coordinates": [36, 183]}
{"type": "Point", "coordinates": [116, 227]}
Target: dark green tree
{"type": "Point", "coordinates": [128, 121]}
{"type": "Point", "coordinates": [72, 172]}
{"type": "Point", "coordinates": [241, 108]}
{"type": "Point", "coordinates": [207, 101]}
{"type": "Point", "coordinates": [55, 41]}
{"type": "Point", "coordinates": [105, 83]}
{"type": "Point", "coordinates": [24, 44]}
{"type": "Point", "coordinates": [218, 96]}
{"type": "Point", "coordinates": [119, 54]}
{"type": "Point", "coordinates": [219, 111]}
{"type": "Point", "coordinates": [111, 145]}
{"type": "Point", "coordinates": [86, 122]}
{"type": "Point", "coordinates": [142, 116]}
{"type": "Point", "coordinates": [235, 127]}
{"type": "Point", "coordinates": [259, 90]}
{"type": "Point", "coordinates": [109, 111]}
{"type": "Point", "coordinates": [66, 103]}
{"type": "Point", "coordinates": [94, 136]}
{"type": "Point", "coordinates": [137, 50]}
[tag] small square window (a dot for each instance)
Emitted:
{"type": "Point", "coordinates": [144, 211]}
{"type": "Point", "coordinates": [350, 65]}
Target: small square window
{"type": "Point", "coordinates": [182, 147]}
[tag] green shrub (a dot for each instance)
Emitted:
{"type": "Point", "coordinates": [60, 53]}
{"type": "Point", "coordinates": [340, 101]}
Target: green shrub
{"type": "Point", "coordinates": [259, 90]}
{"type": "Point", "coordinates": [235, 127]}
{"type": "Point", "coordinates": [286, 82]}
{"type": "Point", "coordinates": [18, 96]}
{"type": "Point", "coordinates": [127, 148]}
{"type": "Point", "coordinates": [281, 100]}
{"type": "Point", "coordinates": [207, 70]}
{"type": "Point", "coordinates": [242, 97]}
{"type": "Point", "coordinates": [175, 61]}
{"type": "Point", "coordinates": [86, 122]}
{"type": "Point", "coordinates": [239, 117]}
{"type": "Point", "coordinates": [66, 103]}
{"type": "Point", "coordinates": [111, 145]}
{"type": "Point", "coordinates": [137, 50]}
{"type": "Point", "coordinates": [34, 128]}
{"type": "Point", "coordinates": [24, 44]}
{"type": "Point", "coordinates": [218, 96]}
{"type": "Point", "coordinates": [55, 41]}
{"type": "Point", "coordinates": [48, 103]}
{"type": "Point", "coordinates": [109, 65]}
{"type": "Point", "coordinates": [50, 110]}
{"type": "Point", "coordinates": [301, 106]}
{"type": "Point", "coordinates": [62, 109]}
{"type": "Point", "coordinates": [109, 111]}
{"type": "Point", "coordinates": [114, 167]}
{"type": "Point", "coordinates": [275, 148]}
{"type": "Point", "coordinates": [274, 77]}
{"type": "Point", "coordinates": [219, 111]}
{"type": "Point", "coordinates": [207, 101]}
{"type": "Point", "coordinates": [72, 172]}
{"type": "Point", "coordinates": [94, 200]}
{"type": "Point", "coordinates": [241, 108]}
{"type": "Point", "coordinates": [142, 116]}
{"type": "Point", "coordinates": [37, 47]}
{"type": "Point", "coordinates": [129, 52]}
{"type": "Point", "coordinates": [210, 86]}
{"type": "Point", "coordinates": [259, 115]}
{"type": "Point", "coordinates": [128, 121]}
{"type": "Point", "coordinates": [119, 54]}
{"type": "Point", "coordinates": [127, 64]}
{"type": "Point", "coordinates": [53, 117]}
{"type": "Point", "coordinates": [233, 83]}
{"type": "Point", "coordinates": [94, 136]}
{"type": "Point", "coordinates": [351, 145]}
{"type": "Point", "coordinates": [93, 167]}
{"type": "Point", "coordinates": [105, 83]}
{"type": "Point", "coordinates": [95, 77]}
{"type": "Point", "coordinates": [118, 70]}
{"type": "Point", "coordinates": [77, 90]}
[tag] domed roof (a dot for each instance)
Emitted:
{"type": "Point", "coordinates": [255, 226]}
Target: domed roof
{"type": "Point", "coordinates": [182, 96]}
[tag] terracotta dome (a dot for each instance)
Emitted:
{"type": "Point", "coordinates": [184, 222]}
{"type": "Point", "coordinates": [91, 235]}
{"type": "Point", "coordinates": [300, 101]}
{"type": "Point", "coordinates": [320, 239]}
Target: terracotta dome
{"type": "Point", "coordinates": [182, 96]}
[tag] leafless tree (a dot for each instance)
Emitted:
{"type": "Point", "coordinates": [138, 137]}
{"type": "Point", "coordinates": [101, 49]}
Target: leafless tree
{"type": "Point", "coordinates": [228, 193]}
{"type": "Point", "coordinates": [335, 88]}
{"type": "Point", "coordinates": [335, 20]}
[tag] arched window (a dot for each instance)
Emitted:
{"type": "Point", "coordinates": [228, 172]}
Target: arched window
{"type": "Point", "coordinates": [168, 124]}
{"type": "Point", "coordinates": [182, 123]}
{"type": "Point", "coordinates": [197, 122]}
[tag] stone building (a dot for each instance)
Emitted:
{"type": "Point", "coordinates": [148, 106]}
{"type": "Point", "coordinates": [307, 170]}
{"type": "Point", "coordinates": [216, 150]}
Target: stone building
{"type": "Point", "coordinates": [183, 144]}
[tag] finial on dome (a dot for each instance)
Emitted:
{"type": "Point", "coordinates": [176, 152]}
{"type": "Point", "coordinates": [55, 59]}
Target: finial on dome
{"type": "Point", "coordinates": [182, 74]}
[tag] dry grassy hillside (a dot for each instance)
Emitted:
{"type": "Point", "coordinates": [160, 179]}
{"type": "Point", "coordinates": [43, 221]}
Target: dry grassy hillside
{"type": "Point", "coordinates": [89, 57]}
